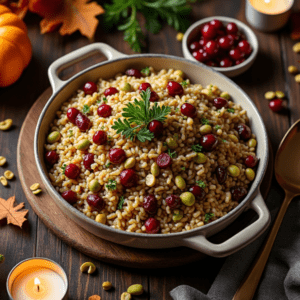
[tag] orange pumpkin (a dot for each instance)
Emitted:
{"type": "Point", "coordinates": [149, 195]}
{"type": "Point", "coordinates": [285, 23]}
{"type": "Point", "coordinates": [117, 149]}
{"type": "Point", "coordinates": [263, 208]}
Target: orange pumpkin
{"type": "Point", "coordinates": [15, 47]}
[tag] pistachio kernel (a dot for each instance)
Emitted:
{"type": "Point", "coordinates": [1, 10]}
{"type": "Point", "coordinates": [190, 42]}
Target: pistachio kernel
{"type": "Point", "coordinates": [205, 129]}
{"type": "Point", "coordinates": [179, 36]}
{"type": "Point", "coordinates": [280, 94]}
{"type": "Point", "coordinates": [9, 175]}
{"type": "Point", "coordinates": [270, 95]}
{"type": "Point", "coordinates": [172, 143]}
{"type": "Point", "coordinates": [129, 163]}
{"type": "Point", "coordinates": [53, 137]}
{"type": "Point", "coordinates": [296, 47]}
{"type": "Point", "coordinates": [88, 267]}
{"type": "Point", "coordinates": [180, 182]}
{"type": "Point", "coordinates": [126, 87]}
{"type": "Point", "coordinates": [135, 289]}
{"type": "Point", "coordinates": [83, 145]}
{"type": "Point", "coordinates": [94, 186]}
{"type": "Point", "coordinates": [106, 285]}
{"type": "Point", "coordinates": [200, 158]}
{"type": "Point", "coordinates": [35, 186]}
{"type": "Point", "coordinates": [150, 180]}
{"type": "Point", "coordinates": [187, 198]}
{"type": "Point", "coordinates": [234, 171]}
{"type": "Point", "coordinates": [2, 161]}
{"type": "Point", "coordinates": [3, 181]}
{"type": "Point", "coordinates": [37, 191]}
{"type": "Point", "coordinates": [177, 215]}
{"type": "Point", "coordinates": [178, 73]}
{"type": "Point", "coordinates": [125, 296]}
{"type": "Point", "coordinates": [252, 143]}
{"type": "Point", "coordinates": [250, 174]}
{"type": "Point", "coordinates": [154, 169]}
{"type": "Point", "coordinates": [225, 95]}
{"type": "Point", "coordinates": [297, 78]}
{"type": "Point", "coordinates": [233, 137]}
{"type": "Point", "coordinates": [5, 125]}
{"type": "Point", "coordinates": [292, 69]}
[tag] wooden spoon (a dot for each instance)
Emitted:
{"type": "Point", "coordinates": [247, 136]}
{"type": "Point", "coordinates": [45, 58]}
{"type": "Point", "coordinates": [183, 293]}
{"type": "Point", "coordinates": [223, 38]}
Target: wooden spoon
{"type": "Point", "coordinates": [287, 172]}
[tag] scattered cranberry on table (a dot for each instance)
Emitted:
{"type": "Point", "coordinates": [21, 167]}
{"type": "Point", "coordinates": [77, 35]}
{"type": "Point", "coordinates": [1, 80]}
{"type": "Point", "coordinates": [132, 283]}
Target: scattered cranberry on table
{"type": "Point", "coordinates": [117, 155]}
{"type": "Point", "coordinates": [276, 105]}
{"type": "Point", "coordinates": [110, 91]}
{"type": "Point", "coordinates": [90, 88]}
{"type": "Point", "coordinates": [128, 178]}
{"type": "Point", "coordinates": [52, 157]}
{"type": "Point", "coordinates": [188, 110]}
{"type": "Point", "coordinates": [220, 102]}
{"type": "Point", "coordinates": [152, 225]}
{"type": "Point", "coordinates": [156, 127]}
{"type": "Point", "coordinates": [164, 160]}
{"type": "Point", "coordinates": [198, 192]}
{"type": "Point", "coordinates": [72, 171]}
{"type": "Point", "coordinates": [238, 193]}
{"type": "Point", "coordinates": [104, 111]}
{"type": "Point", "coordinates": [244, 131]}
{"type": "Point", "coordinates": [173, 201]}
{"type": "Point", "coordinates": [88, 159]}
{"type": "Point", "coordinates": [221, 174]}
{"type": "Point", "coordinates": [209, 142]}
{"type": "Point", "coordinates": [251, 161]}
{"type": "Point", "coordinates": [70, 196]}
{"type": "Point", "coordinates": [150, 204]}
{"type": "Point", "coordinates": [174, 88]}
{"type": "Point", "coordinates": [100, 137]}
{"type": "Point", "coordinates": [133, 72]}
{"type": "Point", "coordinates": [82, 122]}
{"type": "Point", "coordinates": [95, 201]}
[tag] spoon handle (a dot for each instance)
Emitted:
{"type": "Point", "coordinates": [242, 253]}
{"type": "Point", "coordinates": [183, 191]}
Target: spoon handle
{"type": "Point", "coordinates": [249, 284]}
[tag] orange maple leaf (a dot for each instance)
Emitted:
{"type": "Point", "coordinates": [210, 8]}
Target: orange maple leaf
{"type": "Point", "coordinates": [11, 213]}
{"type": "Point", "coordinates": [19, 7]}
{"type": "Point", "coordinates": [73, 15]}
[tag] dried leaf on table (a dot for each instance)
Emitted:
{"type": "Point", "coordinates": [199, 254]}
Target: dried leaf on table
{"type": "Point", "coordinates": [295, 22]}
{"type": "Point", "coordinates": [73, 15]}
{"type": "Point", "coordinates": [11, 213]}
{"type": "Point", "coordinates": [18, 7]}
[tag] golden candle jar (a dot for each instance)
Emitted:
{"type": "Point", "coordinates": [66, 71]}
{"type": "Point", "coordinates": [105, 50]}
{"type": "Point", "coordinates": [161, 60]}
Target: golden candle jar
{"type": "Point", "coordinates": [37, 279]}
{"type": "Point", "coordinates": [268, 15]}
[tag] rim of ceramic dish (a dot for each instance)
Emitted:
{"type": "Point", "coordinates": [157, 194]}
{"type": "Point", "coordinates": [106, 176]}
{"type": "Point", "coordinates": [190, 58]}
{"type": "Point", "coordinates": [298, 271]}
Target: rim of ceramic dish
{"type": "Point", "coordinates": [245, 28]}
{"type": "Point", "coordinates": [255, 185]}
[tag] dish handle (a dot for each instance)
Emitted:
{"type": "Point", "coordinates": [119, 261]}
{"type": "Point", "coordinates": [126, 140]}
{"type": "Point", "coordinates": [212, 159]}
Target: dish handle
{"type": "Point", "coordinates": [77, 56]}
{"type": "Point", "coordinates": [238, 241]}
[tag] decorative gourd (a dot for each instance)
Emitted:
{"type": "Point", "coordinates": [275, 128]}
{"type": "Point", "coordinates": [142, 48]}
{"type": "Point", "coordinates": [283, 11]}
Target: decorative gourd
{"type": "Point", "coordinates": [15, 47]}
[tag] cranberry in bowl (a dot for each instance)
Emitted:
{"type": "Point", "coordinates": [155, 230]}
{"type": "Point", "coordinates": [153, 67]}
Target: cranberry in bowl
{"type": "Point", "coordinates": [238, 49]}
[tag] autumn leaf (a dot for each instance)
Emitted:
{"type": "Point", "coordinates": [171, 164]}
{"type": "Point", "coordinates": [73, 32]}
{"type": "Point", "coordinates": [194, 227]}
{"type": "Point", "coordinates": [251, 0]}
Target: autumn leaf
{"type": "Point", "coordinates": [73, 15]}
{"type": "Point", "coordinates": [19, 7]}
{"type": "Point", "coordinates": [11, 213]}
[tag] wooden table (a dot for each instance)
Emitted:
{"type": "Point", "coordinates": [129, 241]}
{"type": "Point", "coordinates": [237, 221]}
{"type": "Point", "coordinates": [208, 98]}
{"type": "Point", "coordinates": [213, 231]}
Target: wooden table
{"type": "Point", "coordinates": [269, 72]}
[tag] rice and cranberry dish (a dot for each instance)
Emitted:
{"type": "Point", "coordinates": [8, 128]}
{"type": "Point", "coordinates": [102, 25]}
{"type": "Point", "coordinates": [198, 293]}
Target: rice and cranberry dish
{"type": "Point", "coordinates": [149, 152]}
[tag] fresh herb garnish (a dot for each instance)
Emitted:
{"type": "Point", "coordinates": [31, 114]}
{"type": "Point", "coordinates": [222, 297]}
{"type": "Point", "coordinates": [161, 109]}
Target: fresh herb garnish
{"type": "Point", "coordinates": [98, 101]}
{"type": "Point", "coordinates": [104, 99]}
{"type": "Point", "coordinates": [70, 133]}
{"type": "Point", "coordinates": [137, 117]}
{"type": "Point", "coordinates": [183, 168]}
{"type": "Point", "coordinates": [177, 109]}
{"type": "Point", "coordinates": [102, 127]}
{"type": "Point", "coordinates": [123, 14]}
{"type": "Point", "coordinates": [121, 202]}
{"type": "Point", "coordinates": [184, 83]}
{"type": "Point", "coordinates": [231, 110]}
{"type": "Point", "coordinates": [112, 185]}
{"type": "Point", "coordinates": [63, 168]}
{"type": "Point", "coordinates": [208, 216]}
{"type": "Point", "coordinates": [204, 121]}
{"type": "Point", "coordinates": [201, 184]}
{"type": "Point", "coordinates": [172, 154]}
{"type": "Point", "coordinates": [219, 111]}
{"type": "Point", "coordinates": [146, 71]}
{"type": "Point", "coordinates": [217, 127]}
{"type": "Point", "coordinates": [109, 139]}
{"type": "Point", "coordinates": [107, 165]}
{"type": "Point", "coordinates": [197, 148]}
{"type": "Point", "coordinates": [224, 141]}
{"type": "Point", "coordinates": [86, 109]}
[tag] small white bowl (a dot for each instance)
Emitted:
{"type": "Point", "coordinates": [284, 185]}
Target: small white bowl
{"type": "Point", "coordinates": [193, 32]}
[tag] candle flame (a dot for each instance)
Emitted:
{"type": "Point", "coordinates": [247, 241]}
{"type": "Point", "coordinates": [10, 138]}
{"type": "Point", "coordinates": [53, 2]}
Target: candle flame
{"type": "Point", "coordinates": [37, 281]}
{"type": "Point", "coordinates": [267, 1]}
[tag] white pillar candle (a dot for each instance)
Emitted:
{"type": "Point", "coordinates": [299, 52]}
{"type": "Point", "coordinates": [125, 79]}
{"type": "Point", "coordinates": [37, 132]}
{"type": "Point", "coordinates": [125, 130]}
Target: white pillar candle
{"type": "Point", "coordinates": [37, 279]}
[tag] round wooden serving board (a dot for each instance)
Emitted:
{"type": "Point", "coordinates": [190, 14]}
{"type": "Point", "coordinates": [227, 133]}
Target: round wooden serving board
{"type": "Point", "coordinates": [87, 243]}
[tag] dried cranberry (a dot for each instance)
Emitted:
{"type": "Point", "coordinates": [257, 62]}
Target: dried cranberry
{"type": "Point", "coordinates": [225, 63]}
{"type": "Point", "coordinates": [216, 23]}
{"type": "Point", "coordinates": [209, 142]}
{"type": "Point", "coordinates": [220, 102]}
{"type": "Point", "coordinates": [128, 178]}
{"type": "Point", "coordinates": [225, 42]}
{"type": "Point", "coordinates": [100, 137]}
{"type": "Point", "coordinates": [276, 105]}
{"type": "Point", "coordinates": [202, 43]}
{"type": "Point", "coordinates": [234, 37]}
{"type": "Point", "coordinates": [104, 111]}
{"type": "Point", "coordinates": [244, 131]}
{"type": "Point", "coordinates": [156, 127]}
{"type": "Point", "coordinates": [251, 161]}
{"type": "Point", "coordinates": [245, 47]}
{"type": "Point", "coordinates": [90, 88]}
{"type": "Point", "coordinates": [153, 97]}
{"type": "Point", "coordinates": [152, 225]}
{"type": "Point", "coordinates": [201, 55]}
{"type": "Point", "coordinates": [72, 171]}
{"type": "Point", "coordinates": [51, 157]}
{"type": "Point", "coordinates": [144, 86]}
{"type": "Point", "coordinates": [88, 159]}
{"type": "Point", "coordinates": [231, 28]}
{"type": "Point", "coordinates": [110, 91]}
{"type": "Point", "coordinates": [173, 201]}
{"type": "Point", "coordinates": [235, 54]}
{"type": "Point", "coordinates": [82, 122]}
{"type": "Point", "coordinates": [116, 155]}
{"type": "Point", "coordinates": [70, 196]}
{"type": "Point", "coordinates": [212, 48]}
{"type": "Point", "coordinates": [195, 46]}
{"type": "Point", "coordinates": [72, 114]}
{"type": "Point", "coordinates": [133, 72]}
{"type": "Point", "coordinates": [198, 192]}
{"type": "Point", "coordinates": [164, 160]}
{"type": "Point", "coordinates": [150, 204]}
{"type": "Point", "coordinates": [174, 88]}
{"type": "Point", "coordinates": [95, 201]}
{"type": "Point", "coordinates": [188, 110]}
{"type": "Point", "coordinates": [208, 31]}
{"type": "Point", "coordinates": [221, 174]}
{"type": "Point", "coordinates": [238, 193]}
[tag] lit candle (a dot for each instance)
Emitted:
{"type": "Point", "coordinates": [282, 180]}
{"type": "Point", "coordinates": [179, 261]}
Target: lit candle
{"type": "Point", "coordinates": [37, 279]}
{"type": "Point", "coordinates": [268, 15]}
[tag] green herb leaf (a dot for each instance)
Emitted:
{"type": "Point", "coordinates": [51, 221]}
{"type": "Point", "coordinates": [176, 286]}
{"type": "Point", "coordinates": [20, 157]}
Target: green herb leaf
{"type": "Point", "coordinates": [201, 184]}
{"type": "Point", "coordinates": [63, 168]}
{"type": "Point", "coordinates": [98, 101]}
{"type": "Point", "coordinates": [70, 133]}
{"type": "Point", "coordinates": [146, 71]}
{"type": "Point", "coordinates": [172, 154]}
{"type": "Point", "coordinates": [231, 110]}
{"type": "Point", "coordinates": [184, 83]}
{"type": "Point", "coordinates": [183, 168]}
{"type": "Point", "coordinates": [197, 148]}
{"type": "Point", "coordinates": [177, 109]}
{"type": "Point", "coordinates": [137, 117]}
{"type": "Point", "coordinates": [224, 141]}
{"type": "Point", "coordinates": [112, 185]}
{"type": "Point", "coordinates": [217, 127]}
{"type": "Point", "coordinates": [104, 99]}
{"type": "Point", "coordinates": [86, 109]}
{"type": "Point", "coordinates": [107, 165]}
{"type": "Point", "coordinates": [121, 202]}
{"type": "Point", "coordinates": [208, 216]}
{"type": "Point", "coordinates": [204, 121]}
{"type": "Point", "coordinates": [102, 128]}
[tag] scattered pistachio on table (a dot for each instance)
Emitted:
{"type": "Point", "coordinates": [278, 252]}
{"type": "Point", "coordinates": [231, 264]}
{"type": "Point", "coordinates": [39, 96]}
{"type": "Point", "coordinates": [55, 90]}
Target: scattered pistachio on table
{"type": "Point", "coordinates": [88, 267]}
{"type": "Point", "coordinates": [3, 181]}
{"type": "Point", "coordinates": [5, 125]}
{"type": "Point", "coordinates": [37, 191]}
{"type": "Point", "coordinates": [135, 289]}
{"type": "Point", "coordinates": [2, 161]}
{"type": "Point", "coordinates": [292, 69]}
{"type": "Point", "coordinates": [9, 174]}
{"type": "Point", "coordinates": [125, 296]}
{"type": "Point", "coordinates": [296, 47]}
{"type": "Point", "coordinates": [179, 36]}
{"type": "Point", "coordinates": [280, 94]}
{"type": "Point", "coordinates": [297, 78]}
{"type": "Point", "coordinates": [106, 285]}
{"type": "Point", "coordinates": [270, 95]}
{"type": "Point", "coordinates": [35, 186]}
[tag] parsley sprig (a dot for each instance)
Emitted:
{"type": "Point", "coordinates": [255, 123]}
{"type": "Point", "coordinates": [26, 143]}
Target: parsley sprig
{"type": "Point", "coordinates": [121, 202]}
{"type": "Point", "coordinates": [63, 168]}
{"type": "Point", "coordinates": [112, 185]}
{"type": "Point", "coordinates": [124, 15]}
{"type": "Point", "coordinates": [197, 148]}
{"type": "Point", "coordinates": [208, 216]}
{"type": "Point", "coordinates": [172, 154]}
{"type": "Point", "coordinates": [204, 121]}
{"type": "Point", "coordinates": [201, 184]}
{"type": "Point", "coordinates": [146, 71]}
{"type": "Point", "coordinates": [137, 117]}
{"type": "Point", "coordinates": [86, 109]}
{"type": "Point", "coordinates": [231, 110]}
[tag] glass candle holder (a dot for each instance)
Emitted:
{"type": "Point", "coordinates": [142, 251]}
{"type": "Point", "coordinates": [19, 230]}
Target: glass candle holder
{"type": "Point", "coordinates": [268, 15]}
{"type": "Point", "coordinates": [37, 279]}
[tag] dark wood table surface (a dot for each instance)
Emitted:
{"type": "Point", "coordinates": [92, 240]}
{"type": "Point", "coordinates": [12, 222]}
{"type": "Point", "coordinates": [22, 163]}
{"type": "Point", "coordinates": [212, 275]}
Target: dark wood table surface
{"type": "Point", "coordinates": [269, 72]}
